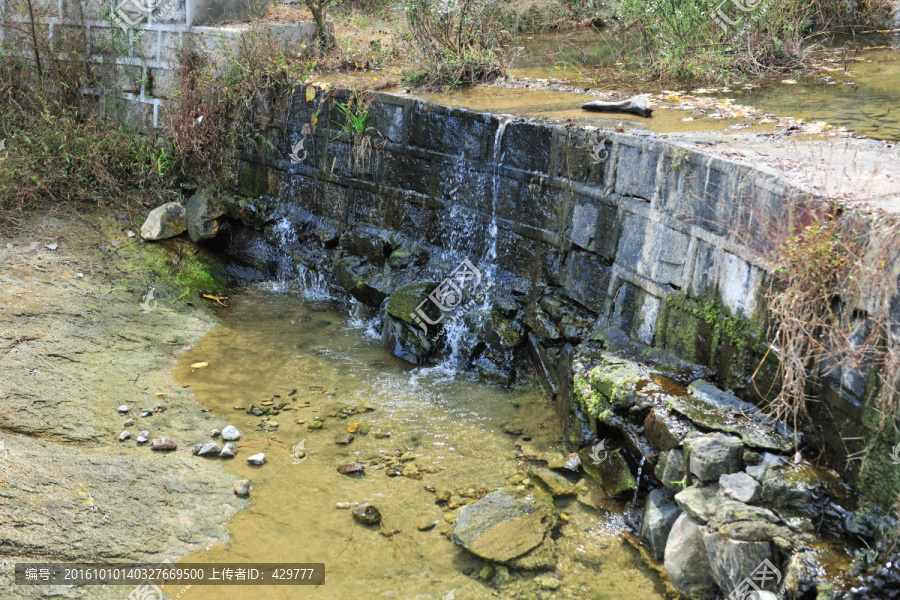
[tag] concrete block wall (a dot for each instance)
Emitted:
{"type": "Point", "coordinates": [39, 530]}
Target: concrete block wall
{"type": "Point", "coordinates": [145, 44]}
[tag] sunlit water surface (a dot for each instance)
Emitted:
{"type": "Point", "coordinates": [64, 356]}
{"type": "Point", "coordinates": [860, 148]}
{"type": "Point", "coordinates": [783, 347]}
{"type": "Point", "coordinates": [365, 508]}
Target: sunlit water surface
{"type": "Point", "coordinates": [273, 342]}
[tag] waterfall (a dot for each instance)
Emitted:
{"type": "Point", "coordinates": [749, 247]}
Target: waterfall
{"type": "Point", "coordinates": [290, 274]}
{"type": "Point", "coordinates": [456, 332]}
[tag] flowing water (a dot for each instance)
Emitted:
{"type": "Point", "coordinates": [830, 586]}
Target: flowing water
{"type": "Point", "coordinates": [462, 435]}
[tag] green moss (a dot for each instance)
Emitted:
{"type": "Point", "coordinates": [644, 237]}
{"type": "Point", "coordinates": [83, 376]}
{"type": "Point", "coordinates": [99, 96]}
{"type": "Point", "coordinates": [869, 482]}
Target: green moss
{"type": "Point", "coordinates": [879, 477]}
{"type": "Point", "coordinates": [174, 266]}
{"type": "Point", "coordinates": [405, 300]}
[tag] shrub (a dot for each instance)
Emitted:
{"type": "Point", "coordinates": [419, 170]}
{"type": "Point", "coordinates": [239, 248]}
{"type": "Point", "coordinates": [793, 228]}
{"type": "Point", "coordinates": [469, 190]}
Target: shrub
{"type": "Point", "coordinates": [459, 42]}
{"type": "Point", "coordinates": [709, 39]}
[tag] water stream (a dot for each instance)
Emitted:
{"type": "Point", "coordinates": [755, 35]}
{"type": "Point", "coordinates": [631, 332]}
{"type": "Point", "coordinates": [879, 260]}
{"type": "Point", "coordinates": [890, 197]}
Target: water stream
{"type": "Point", "coordinates": [275, 345]}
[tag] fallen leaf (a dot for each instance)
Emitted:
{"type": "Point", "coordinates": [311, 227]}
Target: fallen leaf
{"type": "Point", "coordinates": [200, 365]}
{"type": "Point", "coordinates": [353, 428]}
{"type": "Point", "coordinates": [310, 93]}
{"type": "Point", "coordinates": [161, 394]}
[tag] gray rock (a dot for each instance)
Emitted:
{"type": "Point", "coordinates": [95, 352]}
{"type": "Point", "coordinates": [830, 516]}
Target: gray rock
{"type": "Point", "coordinates": [731, 561]}
{"type": "Point", "coordinates": [231, 434]}
{"type": "Point", "coordinates": [203, 215]}
{"type": "Point", "coordinates": [123, 409]}
{"type": "Point", "coordinates": [143, 437]}
{"type": "Point", "coordinates": [701, 503]}
{"type": "Point", "coordinates": [740, 487]}
{"type": "Point", "coordinates": [164, 222]}
{"type": "Point", "coordinates": [257, 459]}
{"type": "Point", "coordinates": [540, 323]}
{"type": "Point", "coordinates": [687, 562]}
{"type": "Point", "coordinates": [670, 469]}
{"type": "Point", "coordinates": [367, 514]}
{"type": "Point", "coordinates": [128, 423]}
{"type": "Point", "coordinates": [660, 513]}
{"type": "Point", "coordinates": [210, 449]}
{"type": "Point", "coordinates": [124, 436]}
{"type": "Point", "coordinates": [499, 527]}
{"type": "Point", "coordinates": [405, 341]}
{"type": "Point", "coordinates": [229, 451]}
{"type": "Point", "coordinates": [757, 472]}
{"type": "Point", "coordinates": [242, 488]}
{"type": "Point", "coordinates": [714, 454]}
{"type": "Point", "coordinates": [730, 511]}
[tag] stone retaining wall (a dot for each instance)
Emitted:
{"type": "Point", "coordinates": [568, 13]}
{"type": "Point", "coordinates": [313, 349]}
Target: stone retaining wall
{"type": "Point", "coordinates": [626, 231]}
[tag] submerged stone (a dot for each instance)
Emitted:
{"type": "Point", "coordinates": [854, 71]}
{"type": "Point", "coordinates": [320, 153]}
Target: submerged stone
{"type": "Point", "coordinates": [557, 484]}
{"type": "Point", "coordinates": [367, 514]}
{"type": "Point", "coordinates": [499, 527]}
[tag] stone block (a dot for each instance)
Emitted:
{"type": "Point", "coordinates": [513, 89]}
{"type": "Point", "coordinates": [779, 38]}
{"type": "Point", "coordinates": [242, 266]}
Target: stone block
{"type": "Point", "coordinates": [402, 171]}
{"type": "Point", "coordinates": [585, 279]}
{"type": "Point", "coordinates": [454, 135]}
{"type": "Point", "coordinates": [387, 119]}
{"type": "Point", "coordinates": [738, 285]}
{"type": "Point", "coordinates": [526, 146]}
{"type": "Point", "coordinates": [636, 170]}
{"type": "Point", "coordinates": [631, 241]}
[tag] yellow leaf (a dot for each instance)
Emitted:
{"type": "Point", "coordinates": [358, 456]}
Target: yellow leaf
{"type": "Point", "coordinates": [310, 93]}
{"type": "Point", "coordinates": [161, 394]}
{"type": "Point", "coordinates": [200, 365]}
{"type": "Point", "coordinates": [314, 120]}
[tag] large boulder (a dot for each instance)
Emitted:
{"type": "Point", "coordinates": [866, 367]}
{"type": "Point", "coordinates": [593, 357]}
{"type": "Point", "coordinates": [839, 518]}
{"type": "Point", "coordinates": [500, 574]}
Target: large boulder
{"type": "Point", "coordinates": [712, 455]}
{"type": "Point", "coordinates": [164, 222]}
{"type": "Point", "coordinates": [670, 469]}
{"type": "Point", "coordinates": [701, 503]}
{"type": "Point", "coordinates": [500, 527]}
{"type": "Point", "coordinates": [687, 561]}
{"type": "Point", "coordinates": [660, 512]}
{"type": "Point", "coordinates": [203, 215]}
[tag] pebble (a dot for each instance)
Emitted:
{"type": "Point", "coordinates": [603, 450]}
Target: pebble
{"type": "Point", "coordinates": [382, 435]}
{"type": "Point", "coordinates": [315, 425]}
{"type": "Point", "coordinates": [426, 526]}
{"type": "Point", "coordinates": [367, 514]}
{"type": "Point", "coordinates": [124, 436]}
{"type": "Point", "coordinates": [210, 449]}
{"type": "Point", "coordinates": [128, 423]}
{"type": "Point", "coordinates": [215, 433]}
{"type": "Point", "coordinates": [342, 505]}
{"type": "Point", "coordinates": [349, 468]}
{"type": "Point", "coordinates": [146, 413]}
{"type": "Point", "coordinates": [123, 409]}
{"type": "Point", "coordinates": [143, 437]}
{"type": "Point", "coordinates": [343, 440]}
{"type": "Point", "coordinates": [242, 488]}
{"type": "Point", "coordinates": [257, 459]}
{"type": "Point", "coordinates": [229, 451]}
{"type": "Point", "coordinates": [195, 449]}
{"type": "Point", "coordinates": [163, 445]}
{"type": "Point", "coordinates": [231, 434]}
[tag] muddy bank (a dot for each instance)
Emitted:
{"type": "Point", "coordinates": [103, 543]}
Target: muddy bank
{"type": "Point", "coordinates": [75, 345]}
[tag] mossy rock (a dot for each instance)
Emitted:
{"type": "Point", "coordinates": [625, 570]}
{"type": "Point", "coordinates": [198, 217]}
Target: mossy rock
{"type": "Point", "coordinates": [613, 473]}
{"type": "Point", "coordinates": [407, 298]}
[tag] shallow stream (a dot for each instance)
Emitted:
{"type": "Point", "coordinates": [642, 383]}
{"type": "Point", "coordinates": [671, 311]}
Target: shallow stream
{"type": "Point", "coordinates": [461, 434]}
{"type": "Point", "coordinates": [854, 83]}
